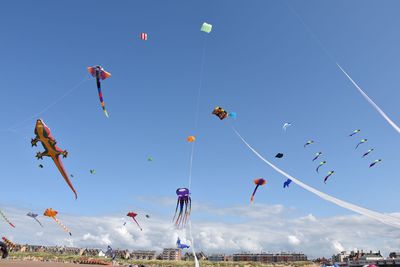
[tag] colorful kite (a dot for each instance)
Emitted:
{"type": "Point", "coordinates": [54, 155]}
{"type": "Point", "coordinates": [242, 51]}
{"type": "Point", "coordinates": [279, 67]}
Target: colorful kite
{"type": "Point", "coordinates": [206, 27]}
{"type": "Point", "coordinates": [191, 139]}
{"type": "Point", "coordinates": [287, 183]}
{"type": "Point", "coordinates": [286, 125]}
{"type": "Point", "coordinates": [143, 36]}
{"type": "Point", "coordinates": [34, 216]}
{"type": "Point", "coordinates": [133, 215]}
{"type": "Point", "coordinates": [317, 155]}
{"type": "Point", "coordinates": [43, 135]}
{"type": "Point", "coordinates": [185, 207]}
{"type": "Point", "coordinates": [6, 219]}
{"type": "Point", "coordinates": [366, 153]}
{"type": "Point", "coordinates": [180, 245]}
{"type": "Point", "coordinates": [361, 142]}
{"type": "Point", "coordinates": [375, 162]}
{"type": "Point", "coordinates": [258, 182]}
{"type": "Point", "coordinates": [279, 155]}
{"type": "Point", "coordinates": [319, 165]}
{"type": "Point", "coordinates": [309, 142]}
{"type": "Point", "coordinates": [100, 74]}
{"type": "Point", "coordinates": [52, 214]}
{"type": "Point", "coordinates": [220, 113]}
{"type": "Point", "coordinates": [355, 132]}
{"type": "Point", "coordinates": [329, 175]}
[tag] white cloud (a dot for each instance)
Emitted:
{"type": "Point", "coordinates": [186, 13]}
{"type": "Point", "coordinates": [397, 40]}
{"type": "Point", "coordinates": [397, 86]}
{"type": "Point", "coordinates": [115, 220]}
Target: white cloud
{"type": "Point", "coordinates": [261, 228]}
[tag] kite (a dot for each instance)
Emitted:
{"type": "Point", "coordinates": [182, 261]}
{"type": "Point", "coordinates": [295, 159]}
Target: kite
{"type": "Point", "coordinates": [3, 250]}
{"type": "Point", "coordinates": [150, 159]}
{"type": "Point", "coordinates": [287, 183]}
{"type": "Point", "coordinates": [100, 74]}
{"type": "Point", "coordinates": [329, 175]}
{"type": "Point", "coordinates": [361, 142]}
{"type": "Point", "coordinates": [52, 214]}
{"type": "Point", "coordinates": [319, 165]}
{"type": "Point", "coordinates": [279, 155]}
{"type": "Point", "coordinates": [72, 176]}
{"type": "Point", "coordinates": [143, 36]}
{"type": "Point", "coordinates": [9, 244]}
{"type": "Point", "coordinates": [185, 206]}
{"type": "Point", "coordinates": [40, 166]}
{"type": "Point", "coordinates": [220, 113]}
{"type": "Point", "coordinates": [34, 216]}
{"type": "Point", "coordinates": [286, 125]}
{"type": "Point", "coordinates": [309, 142]}
{"type": "Point", "coordinates": [6, 219]}
{"type": "Point", "coordinates": [355, 132]}
{"type": "Point", "coordinates": [43, 135]}
{"type": "Point", "coordinates": [206, 27]}
{"type": "Point", "coordinates": [258, 182]}
{"type": "Point", "coordinates": [147, 216]}
{"type": "Point", "coordinates": [92, 171]}
{"type": "Point", "coordinates": [133, 215]}
{"type": "Point", "coordinates": [317, 156]}
{"type": "Point", "coordinates": [232, 115]}
{"type": "Point", "coordinates": [375, 162]}
{"type": "Point", "coordinates": [110, 253]}
{"type": "Point", "coordinates": [180, 245]}
{"type": "Point", "coordinates": [366, 153]}
{"type": "Point", "coordinates": [191, 139]}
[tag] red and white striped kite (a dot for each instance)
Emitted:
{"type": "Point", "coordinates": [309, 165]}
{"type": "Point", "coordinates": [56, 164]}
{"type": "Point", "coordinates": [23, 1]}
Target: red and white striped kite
{"type": "Point", "coordinates": [143, 36]}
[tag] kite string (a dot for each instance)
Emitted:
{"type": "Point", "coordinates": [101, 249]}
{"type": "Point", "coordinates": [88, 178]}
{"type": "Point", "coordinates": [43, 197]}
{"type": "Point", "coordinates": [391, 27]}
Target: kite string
{"type": "Point", "coordinates": [15, 125]}
{"type": "Point", "coordinates": [383, 218]}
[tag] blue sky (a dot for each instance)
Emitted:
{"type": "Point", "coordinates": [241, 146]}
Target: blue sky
{"type": "Point", "coordinates": [260, 62]}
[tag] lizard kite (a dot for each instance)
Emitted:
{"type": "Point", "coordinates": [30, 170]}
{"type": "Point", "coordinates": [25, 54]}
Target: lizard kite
{"type": "Point", "coordinates": [43, 134]}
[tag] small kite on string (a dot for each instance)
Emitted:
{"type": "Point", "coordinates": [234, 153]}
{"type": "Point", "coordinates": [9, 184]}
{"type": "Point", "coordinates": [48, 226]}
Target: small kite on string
{"type": "Point", "coordinates": [133, 215]}
{"type": "Point", "coordinates": [258, 182]}
{"type": "Point", "coordinates": [34, 216]}
{"type": "Point", "coordinates": [100, 74]}
{"type": "Point", "coordinates": [206, 27]}
{"type": "Point", "coordinates": [52, 214]}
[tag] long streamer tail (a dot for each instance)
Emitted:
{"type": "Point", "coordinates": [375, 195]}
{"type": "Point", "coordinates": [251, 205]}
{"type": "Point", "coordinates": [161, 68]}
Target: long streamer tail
{"type": "Point", "coordinates": [62, 225]}
{"type": "Point", "coordinates": [252, 195]}
{"type": "Point", "coordinates": [38, 222]}
{"type": "Point", "coordinates": [5, 218]}
{"type": "Point", "coordinates": [103, 105]}
{"type": "Point", "coordinates": [137, 224]}
{"type": "Point", "coordinates": [383, 218]}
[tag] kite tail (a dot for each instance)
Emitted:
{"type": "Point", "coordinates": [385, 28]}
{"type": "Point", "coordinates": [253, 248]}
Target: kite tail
{"type": "Point", "coordinates": [252, 196]}
{"type": "Point", "coordinates": [137, 224]}
{"type": "Point", "coordinates": [62, 225]}
{"type": "Point", "coordinates": [38, 221]}
{"type": "Point", "coordinates": [176, 209]}
{"type": "Point", "coordinates": [103, 105]}
{"type": "Point", "coordinates": [8, 242]}
{"type": "Point", "coordinates": [5, 218]}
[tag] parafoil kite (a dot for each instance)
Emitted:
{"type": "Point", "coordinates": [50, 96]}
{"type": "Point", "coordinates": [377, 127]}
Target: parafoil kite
{"type": "Point", "coordinates": [279, 155]}
{"type": "Point", "coordinates": [319, 165]}
{"type": "Point", "coordinates": [180, 245]}
{"type": "Point", "coordinates": [52, 214]}
{"type": "Point", "coordinates": [100, 74]}
{"type": "Point", "coordinates": [34, 216]}
{"type": "Point", "coordinates": [133, 215]}
{"type": "Point", "coordinates": [317, 155]}
{"type": "Point", "coordinates": [206, 27]}
{"type": "Point", "coordinates": [43, 135]}
{"type": "Point", "coordinates": [287, 183]}
{"type": "Point", "coordinates": [329, 175]}
{"type": "Point", "coordinates": [286, 125]}
{"type": "Point", "coordinates": [361, 142]}
{"type": "Point", "coordinates": [184, 203]}
{"type": "Point", "coordinates": [143, 36]}
{"type": "Point", "coordinates": [258, 182]}
{"type": "Point", "coordinates": [374, 162]}
{"type": "Point", "coordinates": [6, 219]}
{"type": "Point", "coordinates": [191, 139]}
{"type": "Point", "coordinates": [369, 151]}
{"type": "Point", "coordinates": [220, 113]}
{"type": "Point", "coordinates": [354, 132]}
{"type": "Point", "coordinates": [309, 142]}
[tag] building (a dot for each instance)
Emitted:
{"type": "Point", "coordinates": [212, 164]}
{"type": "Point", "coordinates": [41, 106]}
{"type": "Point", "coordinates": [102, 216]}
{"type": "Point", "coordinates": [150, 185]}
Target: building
{"type": "Point", "coordinates": [394, 255]}
{"type": "Point", "coordinates": [218, 257]}
{"type": "Point", "coordinates": [341, 257]}
{"type": "Point", "coordinates": [371, 256]}
{"type": "Point", "coordinates": [171, 254]}
{"type": "Point", "coordinates": [269, 257]}
{"type": "Point", "coordinates": [143, 255]}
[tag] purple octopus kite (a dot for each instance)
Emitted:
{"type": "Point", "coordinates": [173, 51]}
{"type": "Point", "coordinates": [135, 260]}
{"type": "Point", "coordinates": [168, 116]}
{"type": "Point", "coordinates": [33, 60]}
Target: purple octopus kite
{"type": "Point", "coordinates": [184, 202]}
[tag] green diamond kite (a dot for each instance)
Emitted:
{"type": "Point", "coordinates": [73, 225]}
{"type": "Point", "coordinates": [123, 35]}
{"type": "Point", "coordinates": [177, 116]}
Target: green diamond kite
{"type": "Point", "coordinates": [206, 27]}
